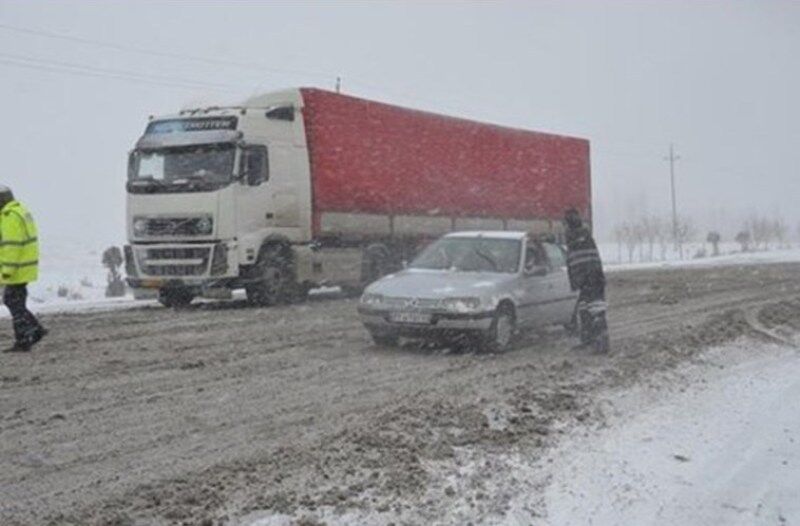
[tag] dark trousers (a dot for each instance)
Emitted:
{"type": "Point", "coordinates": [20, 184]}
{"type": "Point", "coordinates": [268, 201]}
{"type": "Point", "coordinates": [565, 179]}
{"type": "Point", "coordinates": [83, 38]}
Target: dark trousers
{"type": "Point", "coordinates": [25, 323]}
{"type": "Point", "coordinates": [592, 311]}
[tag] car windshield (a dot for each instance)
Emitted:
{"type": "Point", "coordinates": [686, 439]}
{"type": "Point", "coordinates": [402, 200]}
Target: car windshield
{"type": "Point", "coordinates": [209, 163]}
{"type": "Point", "coordinates": [471, 254]}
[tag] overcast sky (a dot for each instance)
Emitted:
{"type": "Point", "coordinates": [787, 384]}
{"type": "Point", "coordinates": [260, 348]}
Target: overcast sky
{"type": "Point", "coordinates": [719, 79]}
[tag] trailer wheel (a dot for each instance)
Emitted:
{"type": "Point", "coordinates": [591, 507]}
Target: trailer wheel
{"type": "Point", "coordinates": [275, 281]}
{"type": "Point", "coordinates": [376, 262]}
{"type": "Point", "coordinates": [175, 298]}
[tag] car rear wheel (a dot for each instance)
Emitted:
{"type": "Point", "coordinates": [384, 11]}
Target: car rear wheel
{"type": "Point", "coordinates": [384, 339]}
{"type": "Point", "coordinates": [500, 335]}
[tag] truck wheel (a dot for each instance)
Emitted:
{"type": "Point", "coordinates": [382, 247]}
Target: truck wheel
{"type": "Point", "coordinates": [384, 339]}
{"type": "Point", "coordinates": [175, 298]}
{"type": "Point", "coordinates": [275, 277]}
{"type": "Point", "coordinates": [375, 263]}
{"type": "Point", "coordinates": [500, 335]}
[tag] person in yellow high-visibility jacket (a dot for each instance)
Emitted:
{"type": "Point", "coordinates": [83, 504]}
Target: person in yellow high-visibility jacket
{"type": "Point", "coordinates": [19, 265]}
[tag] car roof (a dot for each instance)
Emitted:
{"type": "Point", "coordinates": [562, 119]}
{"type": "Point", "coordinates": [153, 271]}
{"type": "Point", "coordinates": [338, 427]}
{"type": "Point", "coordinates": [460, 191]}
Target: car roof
{"type": "Point", "coordinates": [496, 234]}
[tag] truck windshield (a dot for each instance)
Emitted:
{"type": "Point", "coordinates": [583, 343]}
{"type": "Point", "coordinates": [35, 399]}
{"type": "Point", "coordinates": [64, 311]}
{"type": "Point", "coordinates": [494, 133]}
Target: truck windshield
{"type": "Point", "coordinates": [207, 163]}
{"type": "Point", "coordinates": [471, 254]}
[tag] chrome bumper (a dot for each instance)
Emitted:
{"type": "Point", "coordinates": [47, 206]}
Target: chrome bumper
{"type": "Point", "coordinates": [440, 321]}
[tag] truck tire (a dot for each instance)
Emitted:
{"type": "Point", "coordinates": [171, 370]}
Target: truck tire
{"type": "Point", "coordinates": [376, 262]}
{"type": "Point", "coordinates": [175, 298]}
{"type": "Point", "coordinates": [384, 339]}
{"type": "Point", "coordinates": [500, 335]}
{"type": "Point", "coordinates": [274, 277]}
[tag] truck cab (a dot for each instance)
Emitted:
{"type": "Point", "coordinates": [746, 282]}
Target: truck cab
{"type": "Point", "coordinates": [209, 192]}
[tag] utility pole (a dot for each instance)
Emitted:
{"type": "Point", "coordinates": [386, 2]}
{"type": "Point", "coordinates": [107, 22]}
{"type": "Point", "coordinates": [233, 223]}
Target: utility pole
{"type": "Point", "coordinates": [338, 84]}
{"type": "Point", "coordinates": [672, 158]}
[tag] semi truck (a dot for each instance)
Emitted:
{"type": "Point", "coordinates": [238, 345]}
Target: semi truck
{"type": "Point", "coordinates": [302, 188]}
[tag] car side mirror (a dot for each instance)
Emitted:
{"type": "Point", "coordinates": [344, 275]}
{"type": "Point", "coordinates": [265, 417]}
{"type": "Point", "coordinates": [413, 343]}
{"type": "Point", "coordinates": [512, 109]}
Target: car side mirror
{"type": "Point", "coordinates": [536, 270]}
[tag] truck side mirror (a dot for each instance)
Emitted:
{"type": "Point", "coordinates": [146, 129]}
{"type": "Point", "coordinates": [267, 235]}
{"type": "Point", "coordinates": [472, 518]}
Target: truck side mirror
{"type": "Point", "coordinates": [132, 157]}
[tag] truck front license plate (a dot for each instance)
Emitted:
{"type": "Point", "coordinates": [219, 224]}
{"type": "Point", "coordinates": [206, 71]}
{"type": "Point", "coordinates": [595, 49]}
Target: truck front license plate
{"type": "Point", "coordinates": [410, 317]}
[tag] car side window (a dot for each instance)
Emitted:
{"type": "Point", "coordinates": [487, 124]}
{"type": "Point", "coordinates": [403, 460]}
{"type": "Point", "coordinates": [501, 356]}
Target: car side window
{"type": "Point", "coordinates": [534, 256]}
{"type": "Point", "coordinates": [556, 255]}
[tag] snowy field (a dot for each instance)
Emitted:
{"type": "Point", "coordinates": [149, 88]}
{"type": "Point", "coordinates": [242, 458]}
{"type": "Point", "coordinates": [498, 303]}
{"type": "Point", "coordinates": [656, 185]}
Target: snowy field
{"type": "Point", "coordinates": [71, 277]}
{"type": "Point", "coordinates": [726, 257]}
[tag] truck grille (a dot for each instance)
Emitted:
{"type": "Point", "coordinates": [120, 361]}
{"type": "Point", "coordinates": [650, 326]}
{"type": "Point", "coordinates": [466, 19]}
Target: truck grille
{"type": "Point", "coordinates": [174, 226]}
{"type": "Point", "coordinates": [174, 261]}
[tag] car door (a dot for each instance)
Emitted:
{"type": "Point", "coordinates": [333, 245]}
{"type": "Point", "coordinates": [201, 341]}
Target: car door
{"type": "Point", "coordinates": [539, 287]}
{"type": "Point", "coordinates": [563, 298]}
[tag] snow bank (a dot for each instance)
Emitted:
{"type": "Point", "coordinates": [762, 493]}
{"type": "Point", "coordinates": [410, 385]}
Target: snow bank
{"type": "Point", "coordinates": [722, 451]}
{"type": "Point", "coordinates": [791, 255]}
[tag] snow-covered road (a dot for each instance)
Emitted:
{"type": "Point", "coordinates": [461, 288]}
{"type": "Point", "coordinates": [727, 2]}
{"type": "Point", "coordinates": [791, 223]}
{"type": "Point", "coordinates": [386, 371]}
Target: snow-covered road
{"type": "Point", "coordinates": [725, 450]}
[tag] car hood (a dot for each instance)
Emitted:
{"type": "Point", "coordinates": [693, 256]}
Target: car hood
{"type": "Point", "coordinates": [437, 284]}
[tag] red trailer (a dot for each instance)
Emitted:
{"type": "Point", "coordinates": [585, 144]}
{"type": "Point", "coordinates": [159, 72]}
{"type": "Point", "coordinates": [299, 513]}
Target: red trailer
{"type": "Point", "coordinates": [382, 161]}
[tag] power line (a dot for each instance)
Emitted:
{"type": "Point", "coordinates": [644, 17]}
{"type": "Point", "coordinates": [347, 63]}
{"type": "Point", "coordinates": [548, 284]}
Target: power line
{"type": "Point", "coordinates": [249, 66]}
{"type": "Point", "coordinates": [158, 53]}
{"type": "Point", "coordinates": [29, 60]}
{"type": "Point", "coordinates": [78, 73]}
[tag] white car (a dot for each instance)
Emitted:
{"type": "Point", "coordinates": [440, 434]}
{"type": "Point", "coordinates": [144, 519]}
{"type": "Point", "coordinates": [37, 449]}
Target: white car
{"type": "Point", "coordinates": [486, 284]}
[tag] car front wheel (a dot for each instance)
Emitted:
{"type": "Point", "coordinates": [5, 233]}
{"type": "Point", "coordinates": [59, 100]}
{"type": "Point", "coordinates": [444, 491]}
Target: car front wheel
{"type": "Point", "coordinates": [500, 335]}
{"type": "Point", "coordinates": [384, 339]}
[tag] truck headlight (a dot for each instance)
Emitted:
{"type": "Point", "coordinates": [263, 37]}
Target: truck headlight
{"type": "Point", "coordinates": [139, 226]}
{"type": "Point", "coordinates": [373, 300]}
{"type": "Point", "coordinates": [461, 304]}
{"type": "Point", "coordinates": [205, 225]}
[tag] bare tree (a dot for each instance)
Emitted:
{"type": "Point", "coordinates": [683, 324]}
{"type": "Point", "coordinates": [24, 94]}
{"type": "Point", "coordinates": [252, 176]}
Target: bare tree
{"type": "Point", "coordinates": [629, 235]}
{"type": "Point", "coordinates": [714, 238]}
{"type": "Point", "coordinates": [684, 233]}
{"type": "Point", "coordinates": [761, 231]}
{"type": "Point", "coordinates": [638, 237]}
{"type": "Point", "coordinates": [650, 227]}
{"type": "Point", "coordinates": [779, 231]}
{"type": "Point", "coordinates": [663, 235]}
{"type": "Point", "coordinates": [619, 238]}
{"type": "Point", "coordinates": [743, 238]}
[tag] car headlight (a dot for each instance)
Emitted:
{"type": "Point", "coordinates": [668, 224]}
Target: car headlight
{"type": "Point", "coordinates": [372, 299]}
{"type": "Point", "coordinates": [139, 226]}
{"type": "Point", "coordinates": [461, 304]}
{"type": "Point", "coordinates": [205, 225]}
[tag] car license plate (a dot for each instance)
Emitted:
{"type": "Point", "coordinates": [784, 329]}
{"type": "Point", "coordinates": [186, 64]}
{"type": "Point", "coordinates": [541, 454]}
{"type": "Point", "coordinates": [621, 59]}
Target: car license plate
{"type": "Point", "coordinates": [410, 317]}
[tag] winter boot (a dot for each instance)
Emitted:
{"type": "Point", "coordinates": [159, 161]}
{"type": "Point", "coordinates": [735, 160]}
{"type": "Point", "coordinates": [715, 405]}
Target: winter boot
{"type": "Point", "coordinates": [602, 345]}
{"type": "Point", "coordinates": [19, 346]}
